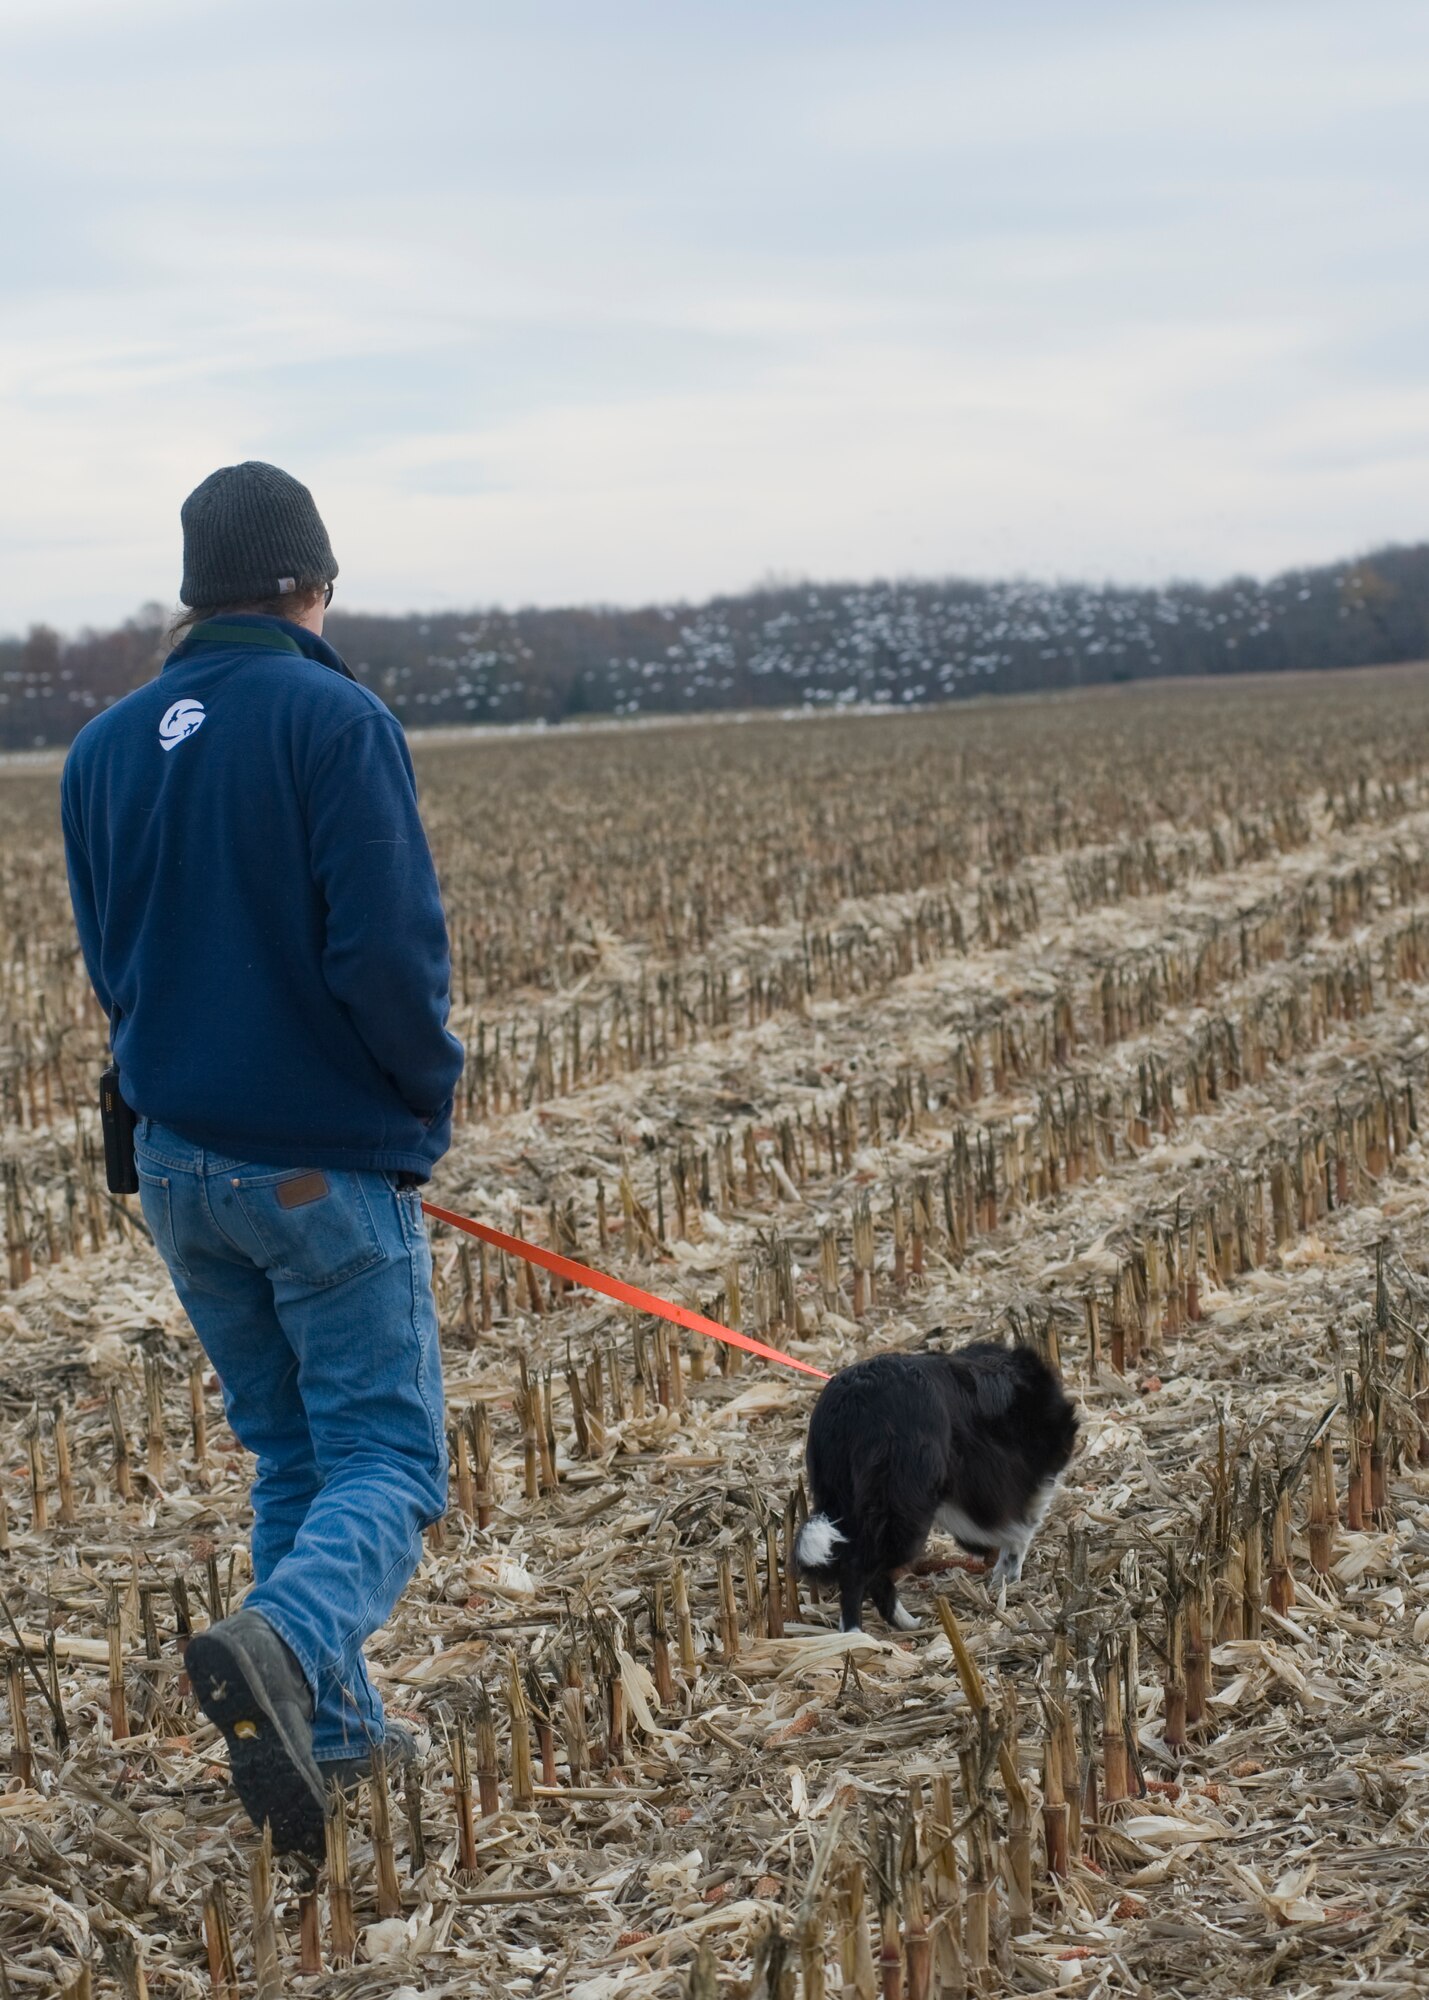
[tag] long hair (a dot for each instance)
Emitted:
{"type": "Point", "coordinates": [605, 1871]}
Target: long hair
{"type": "Point", "coordinates": [292, 602]}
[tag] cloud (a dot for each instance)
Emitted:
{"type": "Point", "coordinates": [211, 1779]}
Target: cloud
{"type": "Point", "coordinates": [555, 302]}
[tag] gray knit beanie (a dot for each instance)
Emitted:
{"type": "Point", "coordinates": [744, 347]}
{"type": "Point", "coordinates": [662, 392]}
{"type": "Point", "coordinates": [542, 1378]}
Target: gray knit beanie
{"type": "Point", "coordinates": [252, 532]}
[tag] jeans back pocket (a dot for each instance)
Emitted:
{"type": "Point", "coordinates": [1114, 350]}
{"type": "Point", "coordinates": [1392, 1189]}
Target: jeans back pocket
{"type": "Point", "coordinates": [314, 1228]}
{"type": "Point", "coordinates": [158, 1213]}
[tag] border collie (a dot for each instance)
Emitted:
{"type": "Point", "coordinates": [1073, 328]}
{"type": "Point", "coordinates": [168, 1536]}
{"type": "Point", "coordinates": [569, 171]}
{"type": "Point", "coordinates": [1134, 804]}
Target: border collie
{"type": "Point", "coordinates": [972, 1443]}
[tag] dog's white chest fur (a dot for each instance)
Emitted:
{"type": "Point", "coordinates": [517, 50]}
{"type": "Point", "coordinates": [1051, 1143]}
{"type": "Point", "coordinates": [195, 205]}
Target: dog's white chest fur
{"type": "Point", "coordinates": [1012, 1539]}
{"type": "Point", "coordinates": [951, 1520]}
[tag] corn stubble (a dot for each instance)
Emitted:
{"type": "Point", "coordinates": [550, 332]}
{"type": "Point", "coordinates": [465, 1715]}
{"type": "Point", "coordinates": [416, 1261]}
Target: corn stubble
{"type": "Point", "coordinates": [1096, 1023]}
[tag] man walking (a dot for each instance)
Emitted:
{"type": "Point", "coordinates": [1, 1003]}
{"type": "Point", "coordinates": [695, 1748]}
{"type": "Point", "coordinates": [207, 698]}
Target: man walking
{"type": "Point", "coordinates": [259, 914]}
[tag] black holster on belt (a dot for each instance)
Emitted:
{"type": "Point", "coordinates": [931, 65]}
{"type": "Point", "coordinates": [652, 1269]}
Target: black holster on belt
{"type": "Point", "coordinates": [121, 1170]}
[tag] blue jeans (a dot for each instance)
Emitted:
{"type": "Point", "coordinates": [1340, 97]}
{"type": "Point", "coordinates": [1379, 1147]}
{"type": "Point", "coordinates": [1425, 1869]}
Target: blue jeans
{"type": "Point", "coordinates": [312, 1296]}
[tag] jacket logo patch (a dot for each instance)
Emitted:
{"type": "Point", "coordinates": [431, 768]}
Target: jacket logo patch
{"type": "Point", "coordinates": [302, 1189]}
{"type": "Point", "coordinates": [180, 722]}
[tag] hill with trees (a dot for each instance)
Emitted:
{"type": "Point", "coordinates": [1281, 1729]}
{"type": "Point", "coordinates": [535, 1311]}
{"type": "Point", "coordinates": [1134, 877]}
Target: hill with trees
{"type": "Point", "coordinates": [792, 645]}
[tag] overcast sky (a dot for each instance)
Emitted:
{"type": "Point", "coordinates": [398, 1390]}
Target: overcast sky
{"type": "Point", "coordinates": [553, 301]}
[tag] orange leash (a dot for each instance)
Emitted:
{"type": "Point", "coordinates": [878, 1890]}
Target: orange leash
{"type": "Point", "coordinates": [615, 1288]}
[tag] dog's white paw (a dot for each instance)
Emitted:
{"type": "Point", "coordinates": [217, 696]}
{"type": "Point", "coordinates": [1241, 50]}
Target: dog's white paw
{"type": "Point", "coordinates": [903, 1618]}
{"type": "Point", "coordinates": [1007, 1569]}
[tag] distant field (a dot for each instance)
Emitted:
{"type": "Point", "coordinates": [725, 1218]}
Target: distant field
{"type": "Point", "coordinates": [1100, 1021]}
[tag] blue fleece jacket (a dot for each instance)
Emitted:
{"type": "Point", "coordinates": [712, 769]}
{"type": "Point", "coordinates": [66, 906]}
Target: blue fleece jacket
{"type": "Point", "coordinates": [258, 909]}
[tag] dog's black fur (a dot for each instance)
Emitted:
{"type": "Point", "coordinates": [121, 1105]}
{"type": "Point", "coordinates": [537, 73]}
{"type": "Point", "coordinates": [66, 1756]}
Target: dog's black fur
{"type": "Point", "coordinates": [972, 1441]}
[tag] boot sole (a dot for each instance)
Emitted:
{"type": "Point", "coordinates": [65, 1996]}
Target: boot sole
{"type": "Point", "coordinates": [276, 1780]}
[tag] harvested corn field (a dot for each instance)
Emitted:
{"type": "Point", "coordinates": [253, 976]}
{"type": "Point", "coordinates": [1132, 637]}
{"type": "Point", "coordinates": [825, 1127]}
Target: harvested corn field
{"type": "Point", "coordinates": [1100, 1023]}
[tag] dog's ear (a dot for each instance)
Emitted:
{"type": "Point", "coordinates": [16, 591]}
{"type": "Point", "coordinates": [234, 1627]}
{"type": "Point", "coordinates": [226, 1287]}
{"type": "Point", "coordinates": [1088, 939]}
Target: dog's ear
{"type": "Point", "coordinates": [988, 1380]}
{"type": "Point", "coordinates": [996, 1392]}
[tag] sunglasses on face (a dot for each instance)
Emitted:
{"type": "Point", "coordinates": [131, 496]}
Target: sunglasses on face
{"type": "Point", "coordinates": [327, 597]}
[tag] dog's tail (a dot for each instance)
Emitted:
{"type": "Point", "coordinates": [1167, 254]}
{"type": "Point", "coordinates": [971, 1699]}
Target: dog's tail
{"type": "Point", "coordinates": [816, 1547]}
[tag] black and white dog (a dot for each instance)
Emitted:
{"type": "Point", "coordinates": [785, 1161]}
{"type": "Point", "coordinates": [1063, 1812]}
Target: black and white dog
{"type": "Point", "coordinates": [972, 1443]}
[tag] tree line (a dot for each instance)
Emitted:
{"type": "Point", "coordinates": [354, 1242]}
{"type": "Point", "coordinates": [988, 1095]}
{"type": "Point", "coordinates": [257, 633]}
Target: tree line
{"type": "Point", "coordinates": [799, 645]}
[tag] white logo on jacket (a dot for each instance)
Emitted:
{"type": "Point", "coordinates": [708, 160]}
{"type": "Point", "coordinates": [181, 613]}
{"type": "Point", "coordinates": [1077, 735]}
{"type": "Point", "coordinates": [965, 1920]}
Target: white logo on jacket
{"type": "Point", "coordinates": [180, 722]}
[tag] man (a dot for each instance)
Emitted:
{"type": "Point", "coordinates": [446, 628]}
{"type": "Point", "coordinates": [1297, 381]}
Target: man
{"type": "Point", "coordinates": [260, 918]}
